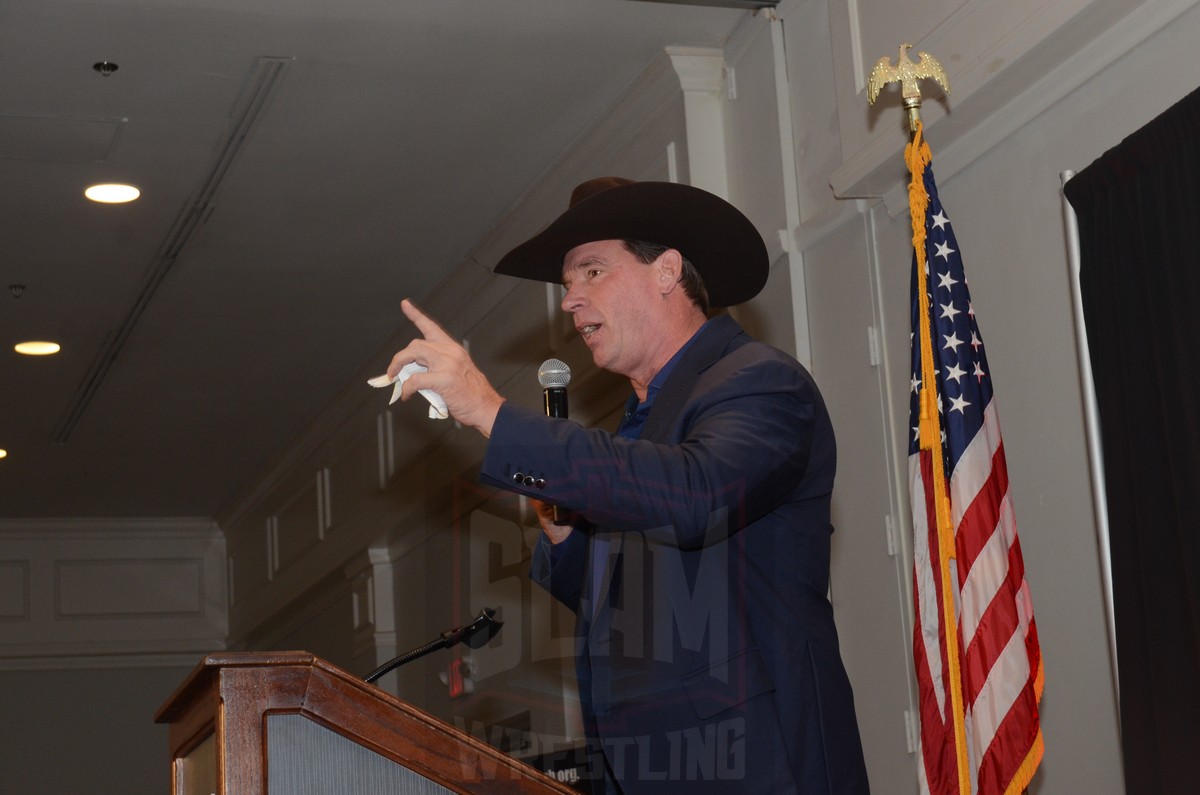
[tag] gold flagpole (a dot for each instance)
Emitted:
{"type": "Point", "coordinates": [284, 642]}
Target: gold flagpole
{"type": "Point", "coordinates": [917, 156]}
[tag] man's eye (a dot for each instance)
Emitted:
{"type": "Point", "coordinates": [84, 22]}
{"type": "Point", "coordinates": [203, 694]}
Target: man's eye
{"type": "Point", "coordinates": [593, 272]}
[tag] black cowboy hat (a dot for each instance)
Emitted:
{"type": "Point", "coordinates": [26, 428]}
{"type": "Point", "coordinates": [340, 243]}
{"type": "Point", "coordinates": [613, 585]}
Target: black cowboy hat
{"type": "Point", "coordinates": [709, 231]}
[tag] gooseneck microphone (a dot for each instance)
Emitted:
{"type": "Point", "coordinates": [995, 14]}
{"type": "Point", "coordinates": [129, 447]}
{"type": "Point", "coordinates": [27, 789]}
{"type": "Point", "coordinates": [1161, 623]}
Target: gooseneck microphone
{"type": "Point", "coordinates": [554, 375]}
{"type": "Point", "coordinates": [477, 634]}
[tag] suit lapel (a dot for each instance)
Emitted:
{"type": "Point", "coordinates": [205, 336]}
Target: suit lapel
{"type": "Point", "coordinates": [704, 352]}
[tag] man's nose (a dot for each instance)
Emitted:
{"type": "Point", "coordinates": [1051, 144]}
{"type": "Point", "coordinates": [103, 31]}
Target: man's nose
{"type": "Point", "coordinates": [572, 300]}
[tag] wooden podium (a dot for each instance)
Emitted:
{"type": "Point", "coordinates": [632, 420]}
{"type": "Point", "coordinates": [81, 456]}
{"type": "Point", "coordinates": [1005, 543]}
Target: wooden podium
{"type": "Point", "coordinates": [290, 723]}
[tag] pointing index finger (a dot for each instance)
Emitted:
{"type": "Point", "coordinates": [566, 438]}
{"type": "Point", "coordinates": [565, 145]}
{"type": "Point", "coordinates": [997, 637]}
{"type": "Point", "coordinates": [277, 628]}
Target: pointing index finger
{"type": "Point", "coordinates": [425, 324]}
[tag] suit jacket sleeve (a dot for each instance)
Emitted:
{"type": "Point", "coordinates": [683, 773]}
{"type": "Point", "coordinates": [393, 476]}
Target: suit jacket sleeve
{"type": "Point", "coordinates": [742, 446]}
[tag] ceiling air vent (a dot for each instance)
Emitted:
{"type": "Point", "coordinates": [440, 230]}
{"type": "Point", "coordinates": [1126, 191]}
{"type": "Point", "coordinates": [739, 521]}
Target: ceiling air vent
{"type": "Point", "coordinates": [261, 84]}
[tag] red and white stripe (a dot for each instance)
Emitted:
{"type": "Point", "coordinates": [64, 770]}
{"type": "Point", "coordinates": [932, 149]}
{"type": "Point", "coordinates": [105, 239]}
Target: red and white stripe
{"type": "Point", "coordinates": [999, 656]}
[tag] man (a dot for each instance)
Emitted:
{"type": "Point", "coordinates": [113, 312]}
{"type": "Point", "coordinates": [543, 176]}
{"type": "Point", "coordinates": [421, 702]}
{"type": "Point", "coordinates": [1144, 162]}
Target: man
{"type": "Point", "coordinates": [698, 563]}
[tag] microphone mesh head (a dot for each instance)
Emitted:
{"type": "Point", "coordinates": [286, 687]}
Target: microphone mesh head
{"type": "Point", "coordinates": [554, 373]}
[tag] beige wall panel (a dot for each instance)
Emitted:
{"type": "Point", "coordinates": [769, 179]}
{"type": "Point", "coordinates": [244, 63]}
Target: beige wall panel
{"type": "Point", "coordinates": [755, 162]}
{"type": "Point", "coordinates": [769, 316]}
{"type": "Point", "coordinates": [812, 88]}
{"type": "Point", "coordinates": [867, 582]}
{"type": "Point", "coordinates": [89, 589]}
{"type": "Point", "coordinates": [515, 336]}
{"type": "Point", "coordinates": [358, 461]}
{"type": "Point", "coordinates": [249, 556]}
{"type": "Point", "coordinates": [299, 526]}
{"type": "Point", "coordinates": [319, 621]}
{"type": "Point", "coordinates": [14, 590]}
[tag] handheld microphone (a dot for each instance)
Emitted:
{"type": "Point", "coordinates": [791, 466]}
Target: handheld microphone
{"type": "Point", "coordinates": [554, 375]}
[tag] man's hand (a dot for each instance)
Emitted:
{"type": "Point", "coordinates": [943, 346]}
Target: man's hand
{"type": "Point", "coordinates": [470, 397]}
{"type": "Point", "coordinates": [545, 515]}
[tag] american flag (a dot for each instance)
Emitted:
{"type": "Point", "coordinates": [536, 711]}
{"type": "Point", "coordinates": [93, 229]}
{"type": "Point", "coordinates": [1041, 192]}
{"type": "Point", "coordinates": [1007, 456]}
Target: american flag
{"type": "Point", "coordinates": [978, 663]}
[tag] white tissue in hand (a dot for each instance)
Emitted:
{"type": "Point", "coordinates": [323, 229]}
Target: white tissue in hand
{"type": "Point", "coordinates": [437, 406]}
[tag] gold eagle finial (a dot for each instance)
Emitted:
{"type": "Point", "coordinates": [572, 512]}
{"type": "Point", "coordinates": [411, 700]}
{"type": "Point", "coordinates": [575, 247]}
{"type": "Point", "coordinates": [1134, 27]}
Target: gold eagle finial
{"type": "Point", "coordinates": [908, 74]}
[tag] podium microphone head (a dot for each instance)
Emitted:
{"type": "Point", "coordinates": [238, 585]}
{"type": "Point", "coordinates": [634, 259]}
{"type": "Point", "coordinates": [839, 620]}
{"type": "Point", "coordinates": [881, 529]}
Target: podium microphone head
{"type": "Point", "coordinates": [554, 373]}
{"type": "Point", "coordinates": [479, 632]}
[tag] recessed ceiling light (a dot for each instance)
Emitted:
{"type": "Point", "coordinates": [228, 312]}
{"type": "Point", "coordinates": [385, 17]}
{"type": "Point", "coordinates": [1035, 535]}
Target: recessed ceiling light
{"type": "Point", "coordinates": [112, 193]}
{"type": "Point", "coordinates": [3, 453]}
{"type": "Point", "coordinates": [37, 348]}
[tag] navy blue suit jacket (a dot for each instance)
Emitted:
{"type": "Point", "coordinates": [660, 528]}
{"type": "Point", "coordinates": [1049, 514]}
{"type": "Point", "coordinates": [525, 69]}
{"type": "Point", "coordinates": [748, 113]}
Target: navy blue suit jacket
{"type": "Point", "coordinates": [711, 662]}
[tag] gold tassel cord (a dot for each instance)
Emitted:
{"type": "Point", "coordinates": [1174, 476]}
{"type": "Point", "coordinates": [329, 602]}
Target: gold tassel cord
{"type": "Point", "coordinates": [918, 157]}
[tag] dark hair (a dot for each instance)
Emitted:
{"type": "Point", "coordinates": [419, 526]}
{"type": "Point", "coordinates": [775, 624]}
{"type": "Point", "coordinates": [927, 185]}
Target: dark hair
{"type": "Point", "coordinates": [689, 277]}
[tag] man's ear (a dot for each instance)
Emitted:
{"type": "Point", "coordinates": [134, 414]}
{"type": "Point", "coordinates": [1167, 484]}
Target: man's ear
{"type": "Point", "coordinates": [669, 270]}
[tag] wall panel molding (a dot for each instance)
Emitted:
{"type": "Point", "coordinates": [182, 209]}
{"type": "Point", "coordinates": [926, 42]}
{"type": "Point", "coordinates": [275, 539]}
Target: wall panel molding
{"type": "Point", "coordinates": [86, 589]}
{"type": "Point", "coordinates": [91, 590]}
{"type": "Point", "coordinates": [14, 590]}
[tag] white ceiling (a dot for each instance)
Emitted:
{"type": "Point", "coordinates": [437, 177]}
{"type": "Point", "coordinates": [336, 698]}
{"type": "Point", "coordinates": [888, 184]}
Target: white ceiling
{"type": "Point", "coordinates": [204, 325]}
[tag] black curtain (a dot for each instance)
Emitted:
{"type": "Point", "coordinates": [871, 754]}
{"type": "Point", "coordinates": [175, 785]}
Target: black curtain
{"type": "Point", "coordinates": [1139, 225]}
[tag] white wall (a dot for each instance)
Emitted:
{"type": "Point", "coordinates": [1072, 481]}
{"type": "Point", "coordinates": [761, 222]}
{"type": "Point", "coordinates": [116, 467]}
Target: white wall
{"type": "Point", "coordinates": [88, 729]}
